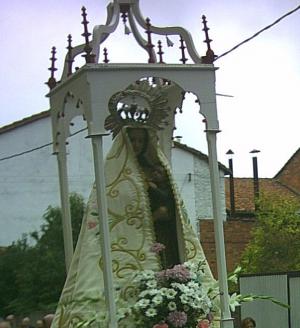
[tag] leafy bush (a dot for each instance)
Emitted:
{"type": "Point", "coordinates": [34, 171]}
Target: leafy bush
{"type": "Point", "coordinates": [275, 245]}
{"type": "Point", "coordinates": [32, 276]}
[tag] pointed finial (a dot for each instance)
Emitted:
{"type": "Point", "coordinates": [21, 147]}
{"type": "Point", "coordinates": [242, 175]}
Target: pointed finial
{"type": "Point", "coordinates": [210, 56]}
{"type": "Point", "coordinates": [89, 57]}
{"type": "Point", "coordinates": [149, 44]}
{"type": "Point", "coordinates": [52, 82]}
{"type": "Point", "coordinates": [105, 53]}
{"type": "Point", "coordinates": [70, 59]}
{"type": "Point", "coordinates": [160, 52]}
{"type": "Point", "coordinates": [183, 59]}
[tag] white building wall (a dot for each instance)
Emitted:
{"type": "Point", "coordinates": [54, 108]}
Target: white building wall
{"type": "Point", "coordinates": [203, 197]}
{"type": "Point", "coordinates": [183, 171]}
{"type": "Point", "coordinates": [29, 183]}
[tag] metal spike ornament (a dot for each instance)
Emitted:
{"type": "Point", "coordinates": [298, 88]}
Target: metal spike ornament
{"type": "Point", "coordinates": [69, 59]}
{"type": "Point", "coordinates": [105, 53]}
{"type": "Point", "coordinates": [149, 44]}
{"type": "Point", "coordinates": [160, 52]}
{"type": "Point", "coordinates": [89, 57]}
{"type": "Point", "coordinates": [52, 82]}
{"type": "Point", "coordinates": [183, 59]}
{"type": "Point", "coordinates": [210, 56]}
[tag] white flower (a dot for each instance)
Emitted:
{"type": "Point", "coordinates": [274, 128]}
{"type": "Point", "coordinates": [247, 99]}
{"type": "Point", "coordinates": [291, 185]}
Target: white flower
{"type": "Point", "coordinates": [196, 304]}
{"type": "Point", "coordinates": [151, 283]}
{"type": "Point", "coordinates": [184, 299]}
{"type": "Point", "coordinates": [189, 291]}
{"type": "Point", "coordinates": [172, 306]}
{"type": "Point", "coordinates": [177, 285]}
{"type": "Point", "coordinates": [149, 292]}
{"type": "Point", "coordinates": [157, 299]}
{"type": "Point", "coordinates": [143, 303]}
{"type": "Point", "coordinates": [152, 292]}
{"type": "Point", "coordinates": [192, 284]}
{"type": "Point", "coordinates": [151, 312]}
{"type": "Point", "coordinates": [147, 274]}
{"type": "Point", "coordinates": [171, 293]}
{"type": "Point", "coordinates": [233, 301]}
{"type": "Point", "coordinates": [163, 291]}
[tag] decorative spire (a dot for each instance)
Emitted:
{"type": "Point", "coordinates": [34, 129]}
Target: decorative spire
{"type": "Point", "coordinates": [124, 19]}
{"type": "Point", "coordinates": [160, 52]}
{"type": "Point", "coordinates": [89, 57]}
{"type": "Point", "coordinates": [149, 44]}
{"type": "Point", "coordinates": [52, 82]}
{"type": "Point", "coordinates": [69, 60]}
{"type": "Point", "coordinates": [183, 59]}
{"type": "Point", "coordinates": [210, 56]}
{"type": "Point", "coordinates": [105, 53]}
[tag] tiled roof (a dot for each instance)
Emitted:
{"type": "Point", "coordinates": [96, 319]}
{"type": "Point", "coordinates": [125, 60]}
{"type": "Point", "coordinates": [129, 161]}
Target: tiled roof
{"type": "Point", "coordinates": [244, 192]}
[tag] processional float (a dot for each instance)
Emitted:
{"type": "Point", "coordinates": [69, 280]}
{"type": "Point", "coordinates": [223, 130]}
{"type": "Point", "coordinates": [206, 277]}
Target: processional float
{"type": "Point", "coordinates": [87, 91]}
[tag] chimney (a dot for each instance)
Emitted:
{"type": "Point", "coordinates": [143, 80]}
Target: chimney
{"type": "Point", "coordinates": [231, 183]}
{"type": "Point", "coordinates": [255, 177]}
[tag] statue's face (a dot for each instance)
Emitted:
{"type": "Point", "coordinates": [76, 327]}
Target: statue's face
{"type": "Point", "coordinates": [138, 138]}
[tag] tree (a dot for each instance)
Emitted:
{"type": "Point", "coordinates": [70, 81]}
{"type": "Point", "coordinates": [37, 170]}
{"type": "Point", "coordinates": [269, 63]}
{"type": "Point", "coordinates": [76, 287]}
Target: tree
{"type": "Point", "coordinates": [275, 245]}
{"type": "Point", "coordinates": [32, 276]}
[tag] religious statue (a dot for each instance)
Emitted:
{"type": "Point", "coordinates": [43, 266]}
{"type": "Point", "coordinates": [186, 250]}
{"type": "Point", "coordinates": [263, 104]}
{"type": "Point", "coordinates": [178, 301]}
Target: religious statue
{"type": "Point", "coordinates": [144, 208]}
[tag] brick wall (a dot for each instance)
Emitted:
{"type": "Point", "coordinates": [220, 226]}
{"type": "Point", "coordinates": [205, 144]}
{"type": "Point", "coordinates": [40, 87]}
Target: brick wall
{"type": "Point", "coordinates": [237, 234]}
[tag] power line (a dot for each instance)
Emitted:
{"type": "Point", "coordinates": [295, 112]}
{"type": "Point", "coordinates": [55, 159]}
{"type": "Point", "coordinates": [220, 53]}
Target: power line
{"type": "Point", "coordinates": [259, 32]}
{"type": "Point", "coordinates": [224, 54]}
{"type": "Point", "coordinates": [36, 148]}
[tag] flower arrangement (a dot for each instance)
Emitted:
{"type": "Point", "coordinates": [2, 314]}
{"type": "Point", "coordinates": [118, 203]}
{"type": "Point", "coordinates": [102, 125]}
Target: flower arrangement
{"type": "Point", "coordinates": [175, 297]}
{"type": "Point", "coordinates": [179, 297]}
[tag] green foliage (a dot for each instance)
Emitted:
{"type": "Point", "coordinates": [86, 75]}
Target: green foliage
{"type": "Point", "coordinates": [275, 244]}
{"type": "Point", "coordinates": [32, 276]}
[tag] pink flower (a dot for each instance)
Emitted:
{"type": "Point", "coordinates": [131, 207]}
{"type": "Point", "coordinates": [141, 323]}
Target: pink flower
{"type": "Point", "coordinates": [157, 248]}
{"type": "Point", "coordinates": [179, 273]}
{"type": "Point", "coordinates": [203, 324]}
{"type": "Point", "coordinates": [177, 318]}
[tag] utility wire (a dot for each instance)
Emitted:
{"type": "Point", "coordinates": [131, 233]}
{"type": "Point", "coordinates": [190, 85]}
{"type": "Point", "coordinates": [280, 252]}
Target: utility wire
{"type": "Point", "coordinates": [36, 148]}
{"type": "Point", "coordinates": [224, 54]}
{"type": "Point", "coordinates": [259, 32]}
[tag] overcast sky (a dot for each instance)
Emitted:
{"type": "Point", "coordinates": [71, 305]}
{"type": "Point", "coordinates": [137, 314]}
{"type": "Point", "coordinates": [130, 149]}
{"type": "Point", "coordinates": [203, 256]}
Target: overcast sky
{"type": "Point", "coordinates": [263, 76]}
